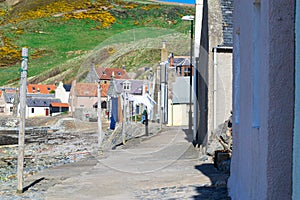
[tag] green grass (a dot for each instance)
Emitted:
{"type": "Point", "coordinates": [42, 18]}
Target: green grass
{"type": "Point", "coordinates": [60, 37]}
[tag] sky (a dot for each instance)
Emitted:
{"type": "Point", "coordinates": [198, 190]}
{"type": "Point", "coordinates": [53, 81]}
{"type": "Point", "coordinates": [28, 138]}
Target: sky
{"type": "Point", "coordinates": [181, 1]}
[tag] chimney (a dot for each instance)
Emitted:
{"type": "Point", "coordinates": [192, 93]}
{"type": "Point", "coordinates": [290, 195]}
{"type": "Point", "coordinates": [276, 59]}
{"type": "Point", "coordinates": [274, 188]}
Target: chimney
{"type": "Point", "coordinates": [113, 75]}
{"type": "Point", "coordinates": [164, 51]}
{"type": "Point", "coordinates": [171, 59]}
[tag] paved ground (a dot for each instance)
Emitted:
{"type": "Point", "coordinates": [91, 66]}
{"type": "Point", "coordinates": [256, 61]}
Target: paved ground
{"type": "Point", "coordinates": [165, 166]}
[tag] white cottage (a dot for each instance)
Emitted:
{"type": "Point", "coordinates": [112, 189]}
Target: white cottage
{"type": "Point", "coordinates": [39, 107]}
{"type": "Point", "coordinates": [62, 92]}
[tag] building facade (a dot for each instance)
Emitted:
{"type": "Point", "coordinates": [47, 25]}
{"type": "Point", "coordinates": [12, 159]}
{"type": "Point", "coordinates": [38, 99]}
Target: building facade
{"type": "Point", "coordinates": [263, 101]}
{"type": "Point", "coordinates": [296, 139]}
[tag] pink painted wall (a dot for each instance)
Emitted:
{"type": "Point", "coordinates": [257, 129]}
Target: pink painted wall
{"type": "Point", "coordinates": [85, 102]}
{"type": "Point", "coordinates": [263, 93]}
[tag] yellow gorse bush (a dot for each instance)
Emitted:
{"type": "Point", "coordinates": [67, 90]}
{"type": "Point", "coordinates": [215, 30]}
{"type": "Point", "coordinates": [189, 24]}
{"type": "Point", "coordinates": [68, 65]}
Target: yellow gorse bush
{"type": "Point", "coordinates": [2, 12]}
{"type": "Point", "coordinates": [149, 7]}
{"type": "Point", "coordinates": [104, 17]}
{"type": "Point", "coordinates": [71, 10]}
{"type": "Point", "coordinates": [130, 6]}
{"type": "Point", "coordinates": [8, 51]}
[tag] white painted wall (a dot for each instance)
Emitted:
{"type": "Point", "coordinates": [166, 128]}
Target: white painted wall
{"type": "Point", "coordinates": [61, 93]}
{"type": "Point", "coordinates": [38, 112]}
{"type": "Point", "coordinates": [8, 107]}
{"type": "Point", "coordinates": [263, 93]}
{"type": "Point", "coordinates": [178, 114]}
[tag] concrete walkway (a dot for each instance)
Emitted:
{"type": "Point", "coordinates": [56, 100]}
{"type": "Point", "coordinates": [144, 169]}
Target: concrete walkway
{"type": "Point", "coordinates": [164, 166]}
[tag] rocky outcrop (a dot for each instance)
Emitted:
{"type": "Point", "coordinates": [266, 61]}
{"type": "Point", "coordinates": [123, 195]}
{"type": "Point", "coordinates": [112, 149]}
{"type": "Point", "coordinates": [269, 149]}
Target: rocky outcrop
{"type": "Point", "coordinates": [220, 145]}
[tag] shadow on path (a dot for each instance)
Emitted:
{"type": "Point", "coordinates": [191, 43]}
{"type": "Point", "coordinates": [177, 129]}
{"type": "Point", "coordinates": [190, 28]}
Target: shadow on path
{"type": "Point", "coordinates": [189, 135]}
{"type": "Point", "coordinates": [218, 188]}
{"type": "Point", "coordinates": [33, 184]}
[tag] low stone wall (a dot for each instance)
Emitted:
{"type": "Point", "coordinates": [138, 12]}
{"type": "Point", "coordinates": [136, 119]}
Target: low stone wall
{"type": "Point", "coordinates": [131, 130]}
{"type": "Point", "coordinates": [85, 114]}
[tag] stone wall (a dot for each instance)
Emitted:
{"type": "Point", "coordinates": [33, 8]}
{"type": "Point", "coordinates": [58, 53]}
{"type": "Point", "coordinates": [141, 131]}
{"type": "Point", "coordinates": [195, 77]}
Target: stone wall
{"type": "Point", "coordinates": [86, 114]}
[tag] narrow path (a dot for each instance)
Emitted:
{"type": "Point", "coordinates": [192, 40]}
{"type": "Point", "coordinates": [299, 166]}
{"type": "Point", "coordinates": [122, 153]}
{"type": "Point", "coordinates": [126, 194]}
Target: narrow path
{"type": "Point", "coordinates": [164, 166]}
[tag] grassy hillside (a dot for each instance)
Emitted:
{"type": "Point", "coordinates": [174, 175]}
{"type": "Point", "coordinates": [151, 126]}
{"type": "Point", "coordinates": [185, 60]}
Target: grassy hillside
{"type": "Point", "coordinates": [65, 38]}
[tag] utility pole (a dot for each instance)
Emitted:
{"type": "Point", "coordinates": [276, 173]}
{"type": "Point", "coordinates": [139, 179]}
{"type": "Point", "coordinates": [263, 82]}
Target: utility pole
{"type": "Point", "coordinates": [191, 83]}
{"type": "Point", "coordinates": [191, 19]}
{"type": "Point", "coordinates": [22, 117]}
{"type": "Point", "coordinates": [126, 90]}
{"type": "Point", "coordinates": [99, 119]}
{"type": "Point", "coordinates": [124, 120]}
{"type": "Point", "coordinates": [164, 92]}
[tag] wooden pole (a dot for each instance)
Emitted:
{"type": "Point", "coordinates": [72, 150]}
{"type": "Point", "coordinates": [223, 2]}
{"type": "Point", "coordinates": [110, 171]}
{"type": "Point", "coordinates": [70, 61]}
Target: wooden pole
{"type": "Point", "coordinates": [99, 119]}
{"type": "Point", "coordinates": [22, 119]}
{"type": "Point", "coordinates": [124, 120]}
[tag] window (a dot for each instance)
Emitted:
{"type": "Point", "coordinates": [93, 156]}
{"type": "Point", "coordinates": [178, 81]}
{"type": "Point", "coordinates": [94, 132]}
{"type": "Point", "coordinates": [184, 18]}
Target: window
{"type": "Point", "coordinates": [1, 109]}
{"type": "Point", "coordinates": [126, 86]}
{"type": "Point", "coordinates": [237, 77]}
{"type": "Point", "coordinates": [11, 109]}
{"type": "Point", "coordinates": [32, 110]}
{"type": "Point", "coordinates": [33, 88]}
{"type": "Point", "coordinates": [48, 89]}
{"type": "Point", "coordinates": [256, 87]}
{"type": "Point", "coordinates": [119, 73]}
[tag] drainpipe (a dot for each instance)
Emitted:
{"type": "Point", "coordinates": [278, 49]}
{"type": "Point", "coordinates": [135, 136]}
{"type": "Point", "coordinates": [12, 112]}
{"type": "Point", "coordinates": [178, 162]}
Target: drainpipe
{"type": "Point", "coordinates": [215, 88]}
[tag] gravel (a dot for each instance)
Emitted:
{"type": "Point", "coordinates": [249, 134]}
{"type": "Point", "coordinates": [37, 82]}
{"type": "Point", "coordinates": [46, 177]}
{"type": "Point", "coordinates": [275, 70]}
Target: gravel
{"type": "Point", "coordinates": [68, 145]}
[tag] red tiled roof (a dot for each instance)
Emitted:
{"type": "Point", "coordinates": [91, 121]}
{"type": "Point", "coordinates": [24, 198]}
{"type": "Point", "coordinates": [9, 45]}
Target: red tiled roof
{"type": "Point", "coordinates": [106, 73]}
{"type": "Point", "coordinates": [91, 89]}
{"type": "Point", "coordinates": [42, 89]}
{"type": "Point", "coordinates": [11, 91]}
{"type": "Point", "coordinates": [104, 89]}
{"type": "Point", "coordinates": [0, 93]}
{"type": "Point", "coordinates": [62, 105]}
{"type": "Point", "coordinates": [86, 89]}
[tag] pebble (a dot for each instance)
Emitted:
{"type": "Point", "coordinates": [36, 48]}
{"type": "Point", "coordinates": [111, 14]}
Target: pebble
{"type": "Point", "coordinates": [191, 192]}
{"type": "Point", "coordinates": [61, 148]}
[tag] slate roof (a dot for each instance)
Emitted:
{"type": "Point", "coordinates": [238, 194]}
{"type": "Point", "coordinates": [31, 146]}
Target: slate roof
{"type": "Point", "coordinates": [38, 88]}
{"type": "Point", "coordinates": [37, 95]}
{"type": "Point", "coordinates": [181, 62]}
{"type": "Point", "coordinates": [227, 22]}
{"type": "Point", "coordinates": [67, 87]}
{"type": "Point", "coordinates": [9, 97]}
{"type": "Point", "coordinates": [40, 102]}
{"type": "Point", "coordinates": [106, 73]}
{"type": "Point", "coordinates": [136, 86]}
